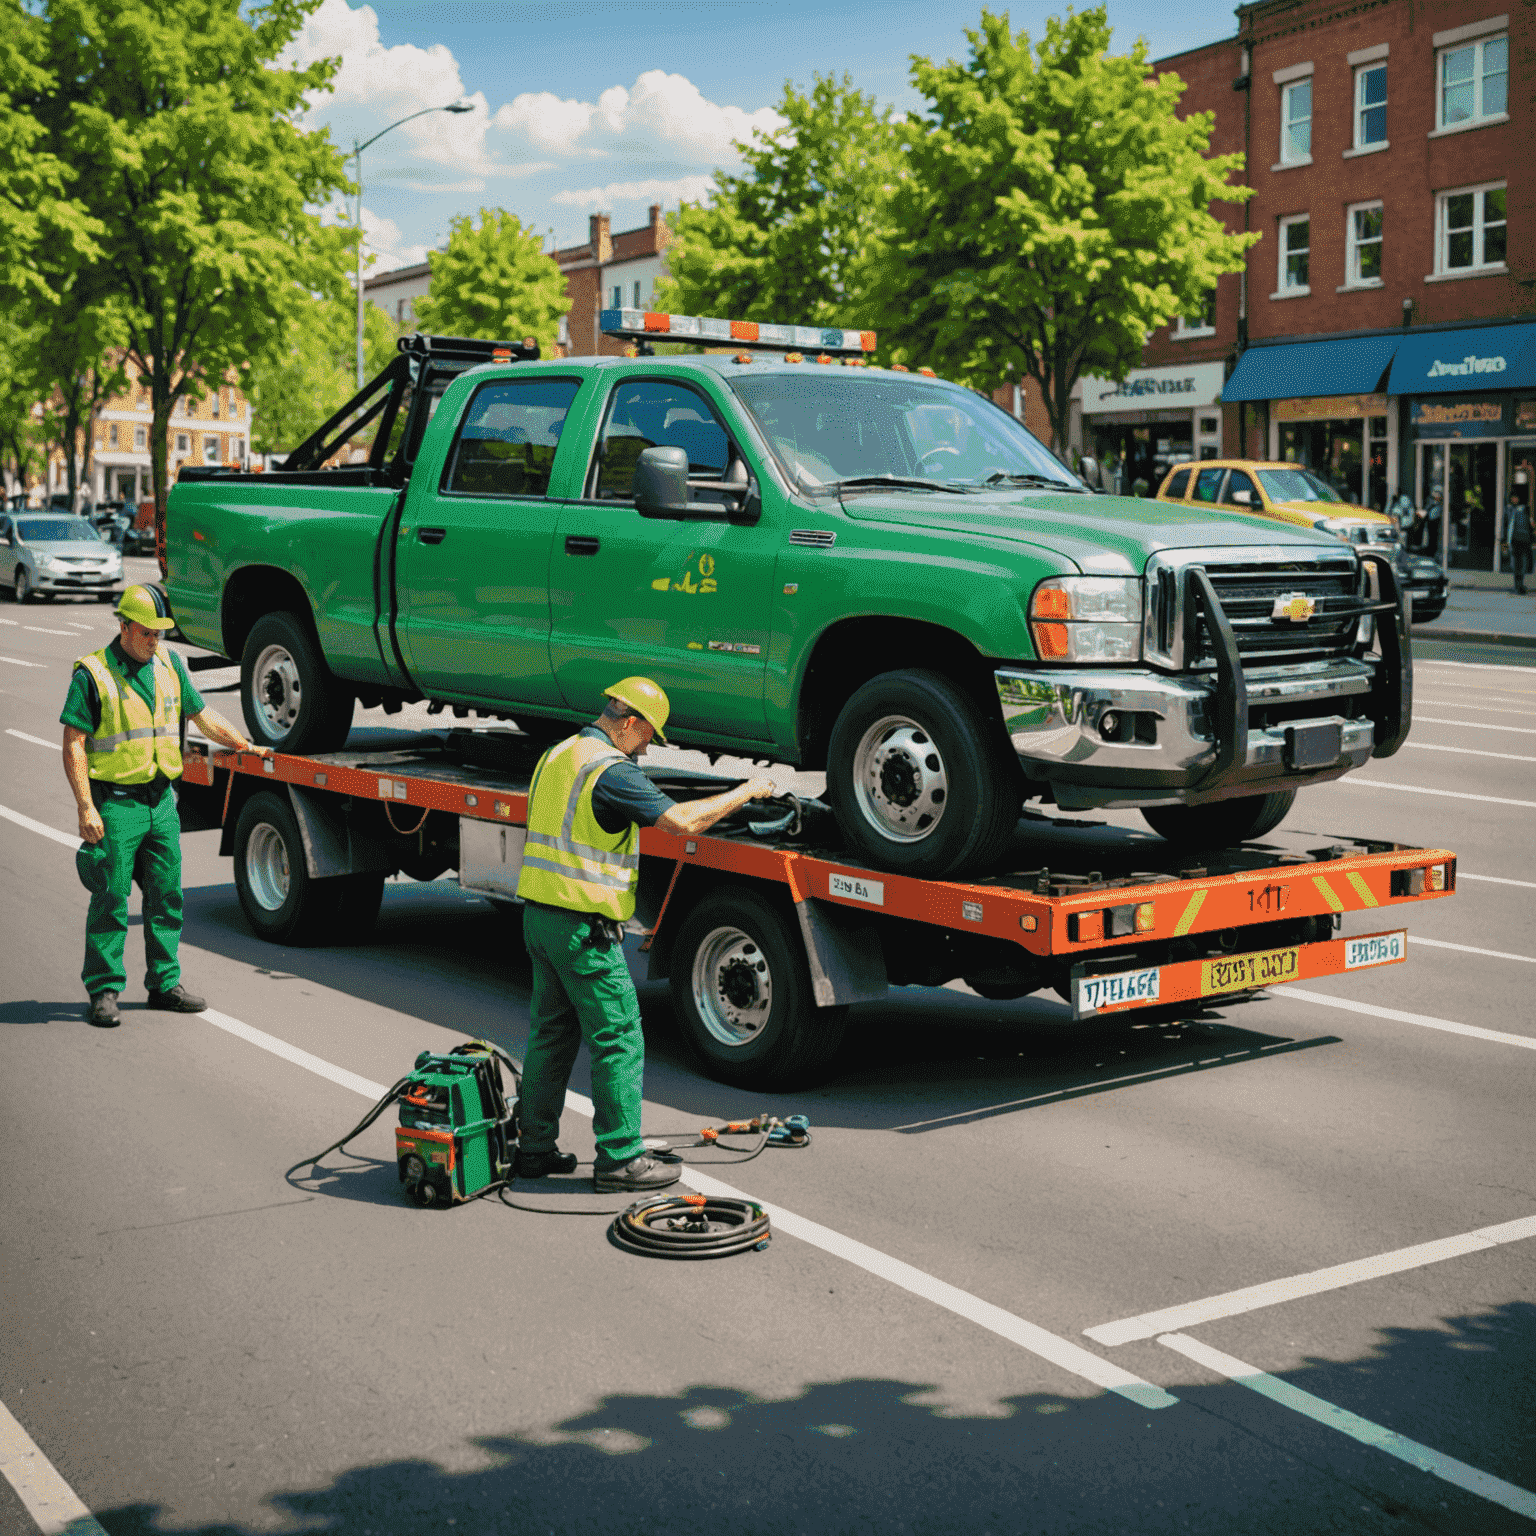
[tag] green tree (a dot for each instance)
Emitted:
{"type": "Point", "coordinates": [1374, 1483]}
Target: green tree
{"type": "Point", "coordinates": [494, 282]}
{"type": "Point", "coordinates": [1054, 212]}
{"type": "Point", "coordinates": [186, 140]}
{"type": "Point", "coordinates": [791, 239]}
{"type": "Point", "coordinates": [309, 371]}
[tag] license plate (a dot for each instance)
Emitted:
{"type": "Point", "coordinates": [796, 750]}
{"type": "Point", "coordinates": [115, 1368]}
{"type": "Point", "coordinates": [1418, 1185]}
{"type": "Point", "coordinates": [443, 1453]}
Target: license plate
{"type": "Point", "coordinates": [1378, 949]}
{"type": "Point", "coordinates": [1240, 973]}
{"type": "Point", "coordinates": [1092, 992]}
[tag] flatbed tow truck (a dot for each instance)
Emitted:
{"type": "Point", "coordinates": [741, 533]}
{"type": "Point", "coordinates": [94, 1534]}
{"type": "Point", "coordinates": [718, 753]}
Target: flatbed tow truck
{"type": "Point", "coordinates": [767, 932]}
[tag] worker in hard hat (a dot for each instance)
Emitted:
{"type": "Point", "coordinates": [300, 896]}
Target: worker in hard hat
{"type": "Point", "coordinates": [123, 725]}
{"type": "Point", "coordinates": [586, 805]}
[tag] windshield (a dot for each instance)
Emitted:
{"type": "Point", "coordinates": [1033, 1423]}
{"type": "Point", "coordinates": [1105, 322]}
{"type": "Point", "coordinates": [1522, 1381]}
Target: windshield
{"type": "Point", "coordinates": [56, 530]}
{"type": "Point", "coordinates": [828, 429]}
{"type": "Point", "coordinates": [1297, 485]}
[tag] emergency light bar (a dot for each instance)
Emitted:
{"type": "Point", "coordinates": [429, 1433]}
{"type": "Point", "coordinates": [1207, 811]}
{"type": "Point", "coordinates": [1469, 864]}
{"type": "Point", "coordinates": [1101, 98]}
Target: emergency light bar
{"type": "Point", "coordinates": [647, 325]}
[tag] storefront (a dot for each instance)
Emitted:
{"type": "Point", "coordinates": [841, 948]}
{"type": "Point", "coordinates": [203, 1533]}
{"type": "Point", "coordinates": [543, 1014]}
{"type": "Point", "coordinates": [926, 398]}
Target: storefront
{"type": "Point", "coordinates": [1350, 440]}
{"type": "Point", "coordinates": [1157, 417]}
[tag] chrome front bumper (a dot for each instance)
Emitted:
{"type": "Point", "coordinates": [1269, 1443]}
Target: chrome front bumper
{"type": "Point", "coordinates": [1055, 721]}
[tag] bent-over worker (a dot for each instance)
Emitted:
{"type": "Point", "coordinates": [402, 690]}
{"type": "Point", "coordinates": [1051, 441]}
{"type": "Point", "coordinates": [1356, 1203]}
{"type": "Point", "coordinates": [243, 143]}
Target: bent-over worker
{"type": "Point", "coordinates": [586, 805]}
{"type": "Point", "coordinates": [122, 723]}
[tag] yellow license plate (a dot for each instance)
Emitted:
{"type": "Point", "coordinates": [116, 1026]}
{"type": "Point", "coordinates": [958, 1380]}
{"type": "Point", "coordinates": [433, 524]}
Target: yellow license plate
{"type": "Point", "coordinates": [1239, 973]}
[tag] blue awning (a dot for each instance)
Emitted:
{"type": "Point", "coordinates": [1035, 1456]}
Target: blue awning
{"type": "Point", "coordinates": [1300, 369]}
{"type": "Point", "coordinates": [1487, 357]}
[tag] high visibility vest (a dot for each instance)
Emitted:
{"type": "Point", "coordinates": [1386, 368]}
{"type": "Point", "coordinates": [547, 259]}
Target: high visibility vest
{"type": "Point", "coordinates": [569, 861]}
{"type": "Point", "coordinates": [133, 742]}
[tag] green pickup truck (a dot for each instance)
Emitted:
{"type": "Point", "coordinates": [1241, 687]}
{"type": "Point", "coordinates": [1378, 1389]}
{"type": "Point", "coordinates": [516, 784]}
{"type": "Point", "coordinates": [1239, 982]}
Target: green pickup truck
{"type": "Point", "coordinates": [860, 569]}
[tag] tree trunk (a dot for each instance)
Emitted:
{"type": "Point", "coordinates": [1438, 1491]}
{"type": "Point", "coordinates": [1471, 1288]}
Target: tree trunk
{"type": "Point", "coordinates": [161, 401]}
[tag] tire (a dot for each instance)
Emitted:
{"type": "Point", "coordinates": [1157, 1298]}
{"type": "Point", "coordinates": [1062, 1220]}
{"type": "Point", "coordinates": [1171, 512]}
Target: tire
{"type": "Point", "coordinates": [742, 991]}
{"type": "Point", "coordinates": [1428, 613]}
{"type": "Point", "coordinates": [22, 590]}
{"type": "Point", "coordinates": [1222, 824]}
{"type": "Point", "coordinates": [920, 782]}
{"type": "Point", "coordinates": [281, 901]}
{"type": "Point", "coordinates": [290, 698]}
{"type": "Point", "coordinates": [106, 597]}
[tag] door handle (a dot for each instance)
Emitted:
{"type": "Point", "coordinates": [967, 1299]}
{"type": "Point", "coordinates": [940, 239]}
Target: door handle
{"type": "Point", "coordinates": [431, 535]}
{"type": "Point", "coordinates": [582, 544]}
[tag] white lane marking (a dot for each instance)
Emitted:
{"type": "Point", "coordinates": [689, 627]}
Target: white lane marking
{"type": "Point", "coordinates": [1062, 1352]}
{"type": "Point", "coordinates": [1503, 757]}
{"type": "Point", "coordinates": [51, 1502]}
{"type": "Point", "coordinates": [1473, 725]}
{"type": "Point", "coordinates": [1475, 709]}
{"type": "Point", "coordinates": [14, 623]}
{"type": "Point", "coordinates": [37, 741]}
{"type": "Point", "coordinates": [38, 826]}
{"type": "Point", "coordinates": [1448, 794]}
{"type": "Point", "coordinates": [1251, 1298]}
{"type": "Point", "coordinates": [1397, 1016]}
{"type": "Point", "coordinates": [1484, 1484]}
{"type": "Point", "coordinates": [1529, 885]}
{"type": "Point", "coordinates": [79, 625]}
{"type": "Point", "coordinates": [1469, 949]}
{"type": "Point", "coordinates": [38, 630]}
{"type": "Point", "coordinates": [16, 662]}
{"type": "Point", "coordinates": [1471, 666]}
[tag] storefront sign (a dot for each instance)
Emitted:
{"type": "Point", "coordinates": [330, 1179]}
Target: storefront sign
{"type": "Point", "coordinates": [1198, 384]}
{"type": "Point", "coordinates": [1465, 367]}
{"type": "Point", "coordinates": [1329, 408]}
{"type": "Point", "coordinates": [1525, 415]}
{"type": "Point", "coordinates": [1457, 419]}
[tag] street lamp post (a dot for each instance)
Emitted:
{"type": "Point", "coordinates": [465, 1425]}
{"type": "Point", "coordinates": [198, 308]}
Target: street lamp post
{"type": "Point", "coordinates": [357, 156]}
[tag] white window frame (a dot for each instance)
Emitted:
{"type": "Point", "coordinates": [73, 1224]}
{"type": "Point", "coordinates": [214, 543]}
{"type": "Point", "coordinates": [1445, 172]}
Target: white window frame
{"type": "Point", "coordinates": [183, 443]}
{"type": "Point", "coordinates": [1478, 268]}
{"type": "Point", "coordinates": [1287, 91]}
{"type": "Point", "coordinates": [616, 296]}
{"type": "Point", "coordinates": [1361, 108]}
{"type": "Point", "coordinates": [1352, 246]}
{"type": "Point", "coordinates": [210, 450]}
{"type": "Point", "coordinates": [1190, 327]}
{"type": "Point", "coordinates": [1479, 118]}
{"type": "Point", "coordinates": [1300, 290]}
{"type": "Point", "coordinates": [140, 439]}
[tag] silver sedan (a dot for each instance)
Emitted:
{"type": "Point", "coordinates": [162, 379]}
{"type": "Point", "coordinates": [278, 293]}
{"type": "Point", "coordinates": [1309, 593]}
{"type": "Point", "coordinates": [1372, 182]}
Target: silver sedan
{"type": "Point", "coordinates": [54, 553]}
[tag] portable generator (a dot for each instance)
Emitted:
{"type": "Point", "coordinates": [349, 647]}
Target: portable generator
{"type": "Point", "coordinates": [457, 1135]}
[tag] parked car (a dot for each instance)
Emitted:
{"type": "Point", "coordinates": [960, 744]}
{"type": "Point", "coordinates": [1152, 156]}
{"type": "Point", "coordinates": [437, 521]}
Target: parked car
{"type": "Point", "coordinates": [139, 536]}
{"type": "Point", "coordinates": [53, 552]}
{"type": "Point", "coordinates": [1296, 495]}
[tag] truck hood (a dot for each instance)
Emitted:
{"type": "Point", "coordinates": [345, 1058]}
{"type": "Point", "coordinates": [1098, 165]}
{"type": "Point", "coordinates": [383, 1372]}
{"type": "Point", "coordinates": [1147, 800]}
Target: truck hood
{"type": "Point", "coordinates": [1097, 533]}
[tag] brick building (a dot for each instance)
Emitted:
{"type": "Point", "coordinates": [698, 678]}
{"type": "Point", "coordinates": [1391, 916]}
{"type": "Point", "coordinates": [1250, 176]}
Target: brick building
{"type": "Point", "coordinates": [1382, 330]}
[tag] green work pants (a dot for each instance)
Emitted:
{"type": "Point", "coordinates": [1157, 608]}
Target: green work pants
{"type": "Point", "coordinates": [145, 840]}
{"type": "Point", "coordinates": [580, 993]}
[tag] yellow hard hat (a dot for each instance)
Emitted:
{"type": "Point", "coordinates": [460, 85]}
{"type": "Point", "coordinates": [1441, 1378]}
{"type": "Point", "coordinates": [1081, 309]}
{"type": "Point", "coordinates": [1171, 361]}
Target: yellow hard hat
{"type": "Point", "coordinates": [146, 606]}
{"type": "Point", "coordinates": [645, 698]}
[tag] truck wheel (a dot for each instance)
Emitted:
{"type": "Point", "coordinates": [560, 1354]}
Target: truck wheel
{"type": "Point", "coordinates": [919, 781]}
{"type": "Point", "coordinates": [280, 899]}
{"type": "Point", "coordinates": [742, 991]}
{"type": "Point", "coordinates": [1222, 824]}
{"type": "Point", "coordinates": [290, 698]}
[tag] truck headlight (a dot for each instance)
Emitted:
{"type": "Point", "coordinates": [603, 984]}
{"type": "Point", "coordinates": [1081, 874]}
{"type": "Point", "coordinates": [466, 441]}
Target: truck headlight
{"type": "Point", "coordinates": [1339, 527]}
{"type": "Point", "coordinates": [1087, 618]}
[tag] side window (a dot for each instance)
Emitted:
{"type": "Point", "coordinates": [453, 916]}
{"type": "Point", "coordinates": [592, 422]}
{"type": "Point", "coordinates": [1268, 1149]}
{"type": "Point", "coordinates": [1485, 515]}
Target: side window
{"type": "Point", "coordinates": [1177, 485]}
{"type": "Point", "coordinates": [651, 413]}
{"type": "Point", "coordinates": [1240, 482]}
{"type": "Point", "coordinates": [1208, 484]}
{"type": "Point", "coordinates": [507, 444]}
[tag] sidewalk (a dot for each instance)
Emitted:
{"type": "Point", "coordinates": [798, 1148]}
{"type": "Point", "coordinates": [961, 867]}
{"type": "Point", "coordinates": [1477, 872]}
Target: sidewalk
{"type": "Point", "coordinates": [1492, 615]}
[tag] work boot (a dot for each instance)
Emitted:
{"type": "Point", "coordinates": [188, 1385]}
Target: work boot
{"type": "Point", "coordinates": [535, 1165]}
{"type": "Point", "coordinates": [177, 1000]}
{"type": "Point", "coordinates": [637, 1176]}
{"type": "Point", "coordinates": [104, 1014]}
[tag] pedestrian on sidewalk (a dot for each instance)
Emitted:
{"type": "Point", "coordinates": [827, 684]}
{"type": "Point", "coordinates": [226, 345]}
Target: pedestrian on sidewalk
{"type": "Point", "coordinates": [1518, 538]}
{"type": "Point", "coordinates": [586, 805]}
{"type": "Point", "coordinates": [123, 727]}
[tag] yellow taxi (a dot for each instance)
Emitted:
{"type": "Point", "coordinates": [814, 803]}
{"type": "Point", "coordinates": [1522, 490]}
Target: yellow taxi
{"type": "Point", "coordinates": [1284, 493]}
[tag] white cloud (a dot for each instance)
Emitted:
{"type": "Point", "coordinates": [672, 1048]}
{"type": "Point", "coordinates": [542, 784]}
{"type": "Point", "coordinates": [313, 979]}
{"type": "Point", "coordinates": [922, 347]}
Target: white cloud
{"type": "Point", "coordinates": [691, 189]}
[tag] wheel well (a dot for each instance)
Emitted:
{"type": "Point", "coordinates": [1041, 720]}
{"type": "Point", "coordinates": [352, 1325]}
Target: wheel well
{"type": "Point", "coordinates": [852, 651]}
{"type": "Point", "coordinates": [254, 591]}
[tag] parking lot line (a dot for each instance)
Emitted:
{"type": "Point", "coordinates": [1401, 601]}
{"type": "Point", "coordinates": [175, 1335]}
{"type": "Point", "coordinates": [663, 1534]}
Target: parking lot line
{"type": "Point", "coordinates": [1272, 1293]}
{"type": "Point", "coordinates": [36, 741]}
{"type": "Point", "coordinates": [1461, 874]}
{"type": "Point", "coordinates": [51, 1502]}
{"type": "Point", "coordinates": [1484, 1484]}
{"type": "Point", "coordinates": [17, 662]}
{"type": "Point", "coordinates": [1354, 781]}
{"type": "Point", "coordinates": [1471, 949]}
{"type": "Point", "coordinates": [1473, 725]}
{"type": "Point", "coordinates": [40, 827]}
{"type": "Point", "coordinates": [1471, 666]}
{"type": "Point", "coordinates": [1504, 708]}
{"type": "Point", "coordinates": [1397, 1016]}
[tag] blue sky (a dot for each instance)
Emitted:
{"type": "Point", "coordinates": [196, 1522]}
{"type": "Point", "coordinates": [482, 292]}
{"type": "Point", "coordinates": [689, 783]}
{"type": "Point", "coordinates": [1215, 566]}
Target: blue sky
{"type": "Point", "coordinates": [585, 106]}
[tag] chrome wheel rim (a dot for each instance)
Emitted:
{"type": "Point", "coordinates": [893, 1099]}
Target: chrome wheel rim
{"type": "Point", "coordinates": [732, 987]}
{"type": "Point", "coordinates": [276, 692]}
{"type": "Point", "coordinates": [266, 867]}
{"type": "Point", "coordinates": [899, 780]}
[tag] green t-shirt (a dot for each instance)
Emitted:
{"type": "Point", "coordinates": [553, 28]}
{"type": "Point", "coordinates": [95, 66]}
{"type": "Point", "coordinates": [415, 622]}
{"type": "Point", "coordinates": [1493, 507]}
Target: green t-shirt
{"type": "Point", "coordinates": [82, 704]}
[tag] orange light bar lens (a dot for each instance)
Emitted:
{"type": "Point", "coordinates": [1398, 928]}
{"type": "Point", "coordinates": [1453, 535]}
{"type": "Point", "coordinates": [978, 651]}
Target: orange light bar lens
{"type": "Point", "coordinates": [867, 340]}
{"type": "Point", "coordinates": [655, 322]}
{"type": "Point", "coordinates": [794, 357]}
{"type": "Point", "coordinates": [743, 330]}
{"type": "Point", "coordinates": [928, 373]}
{"type": "Point", "coordinates": [1050, 641]}
{"type": "Point", "coordinates": [1145, 917]}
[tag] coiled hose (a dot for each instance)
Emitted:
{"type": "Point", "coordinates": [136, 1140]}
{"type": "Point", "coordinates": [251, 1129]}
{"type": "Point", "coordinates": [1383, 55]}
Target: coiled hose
{"type": "Point", "coordinates": [691, 1227]}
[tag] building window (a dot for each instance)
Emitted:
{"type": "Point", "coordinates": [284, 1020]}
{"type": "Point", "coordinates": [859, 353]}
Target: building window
{"type": "Point", "coordinates": [637, 295]}
{"type": "Point", "coordinates": [1370, 106]}
{"type": "Point", "coordinates": [1201, 324]}
{"type": "Point", "coordinates": [616, 296]}
{"type": "Point", "coordinates": [1471, 229]}
{"type": "Point", "coordinates": [213, 405]}
{"type": "Point", "coordinates": [183, 444]}
{"type": "Point", "coordinates": [1474, 82]}
{"type": "Point", "coordinates": [139, 438]}
{"type": "Point", "coordinates": [1364, 245]}
{"type": "Point", "coordinates": [1295, 246]}
{"type": "Point", "coordinates": [112, 435]}
{"type": "Point", "coordinates": [210, 450]}
{"type": "Point", "coordinates": [564, 335]}
{"type": "Point", "coordinates": [1296, 122]}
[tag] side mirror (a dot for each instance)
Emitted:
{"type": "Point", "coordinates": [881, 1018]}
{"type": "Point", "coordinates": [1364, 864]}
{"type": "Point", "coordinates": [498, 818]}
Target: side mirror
{"type": "Point", "coordinates": [1245, 497]}
{"type": "Point", "coordinates": [661, 483]}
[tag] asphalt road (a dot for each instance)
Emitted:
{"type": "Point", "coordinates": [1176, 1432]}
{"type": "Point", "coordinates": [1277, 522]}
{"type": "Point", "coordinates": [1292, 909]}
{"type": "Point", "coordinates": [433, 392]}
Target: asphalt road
{"type": "Point", "coordinates": [196, 1345]}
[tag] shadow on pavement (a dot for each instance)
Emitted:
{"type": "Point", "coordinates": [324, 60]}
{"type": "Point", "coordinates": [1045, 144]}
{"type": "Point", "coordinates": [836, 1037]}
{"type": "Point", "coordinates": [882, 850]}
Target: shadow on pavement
{"type": "Point", "coordinates": [887, 1456]}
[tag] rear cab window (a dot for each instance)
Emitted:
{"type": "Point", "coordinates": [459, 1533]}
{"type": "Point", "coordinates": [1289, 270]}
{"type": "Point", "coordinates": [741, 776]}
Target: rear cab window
{"type": "Point", "coordinates": [1208, 484]}
{"type": "Point", "coordinates": [507, 442]}
{"type": "Point", "coordinates": [1178, 484]}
